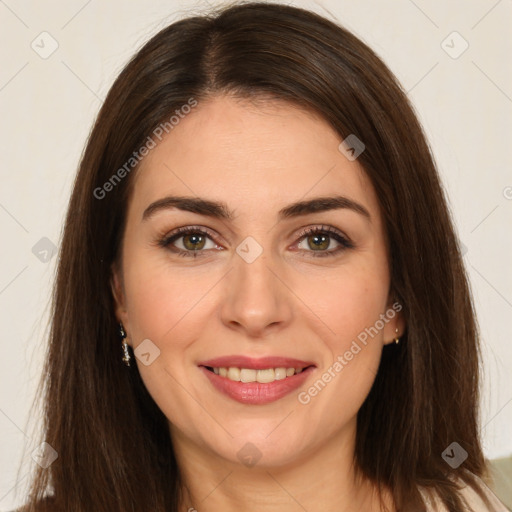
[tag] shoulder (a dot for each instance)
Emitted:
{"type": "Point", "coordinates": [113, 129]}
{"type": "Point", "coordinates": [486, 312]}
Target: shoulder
{"type": "Point", "coordinates": [470, 496]}
{"type": "Point", "coordinates": [476, 503]}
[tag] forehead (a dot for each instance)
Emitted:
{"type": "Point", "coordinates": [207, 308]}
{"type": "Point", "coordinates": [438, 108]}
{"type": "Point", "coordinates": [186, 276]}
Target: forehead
{"type": "Point", "coordinates": [251, 155]}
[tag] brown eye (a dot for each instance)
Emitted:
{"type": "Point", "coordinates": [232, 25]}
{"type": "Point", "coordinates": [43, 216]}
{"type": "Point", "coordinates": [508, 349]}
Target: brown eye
{"type": "Point", "coordinates": [189, 241]}
{"type": "Point", "coordinates": [194, 242]}
{"type": "Point", "coordinates": [318, 240]}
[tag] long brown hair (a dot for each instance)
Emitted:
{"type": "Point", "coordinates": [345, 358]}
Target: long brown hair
{"type": "Point", "coordinates": [113, 443]}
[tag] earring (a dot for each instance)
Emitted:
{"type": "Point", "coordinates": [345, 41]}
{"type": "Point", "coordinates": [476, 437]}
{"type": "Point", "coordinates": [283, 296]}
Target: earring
{"type": "Point", "coordinates": [397, 339]}
{"type": "Point", "coordinates": [126, 354]}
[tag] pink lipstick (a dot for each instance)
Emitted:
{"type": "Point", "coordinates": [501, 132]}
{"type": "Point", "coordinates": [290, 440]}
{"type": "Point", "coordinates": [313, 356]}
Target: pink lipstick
{"type": "Point", "coordinates": [256, 381]}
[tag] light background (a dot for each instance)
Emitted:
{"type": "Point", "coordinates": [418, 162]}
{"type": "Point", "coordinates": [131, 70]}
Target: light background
{"type": "Point", "coordinates": [48, 105]}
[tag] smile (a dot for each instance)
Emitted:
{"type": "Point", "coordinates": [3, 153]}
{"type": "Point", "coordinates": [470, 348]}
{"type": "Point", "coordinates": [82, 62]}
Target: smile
{"type": "Point", "coordinates": [250, 375]}
{"type": "Point", "coordinates": [256, 381]}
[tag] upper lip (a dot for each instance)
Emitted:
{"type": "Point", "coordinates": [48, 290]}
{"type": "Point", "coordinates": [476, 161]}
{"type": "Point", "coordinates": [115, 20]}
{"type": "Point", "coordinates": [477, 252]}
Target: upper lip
{"type": "Point", "coordinates": [261, 363]}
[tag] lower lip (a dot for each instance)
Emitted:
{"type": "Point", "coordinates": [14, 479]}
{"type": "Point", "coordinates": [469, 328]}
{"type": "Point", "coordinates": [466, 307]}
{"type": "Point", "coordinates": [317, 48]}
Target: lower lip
{"type": "Point", "coordinates": [256, 393]}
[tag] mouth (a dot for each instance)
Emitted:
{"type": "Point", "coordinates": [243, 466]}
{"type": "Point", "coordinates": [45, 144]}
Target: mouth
{"type": "Point", "coordinates": [256, 381]}
{"type": "Point", "coordinates": [264, 376]}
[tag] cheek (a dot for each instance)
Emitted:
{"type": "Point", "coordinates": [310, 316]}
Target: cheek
{"type": "Point", "coordinates": [350, 300]}
{"type": "Point", "coordinates": [159, 297]}
{"type": "Point", "coordinates": [351, 308]}
{"type": "Point", "coordinates": [166, 306]}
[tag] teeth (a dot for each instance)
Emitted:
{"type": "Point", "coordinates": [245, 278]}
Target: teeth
{"type": "Point", "coordinates": [280, 373]}
{"type": "Point", "coordinates": [250, 375]}
{"type": "Point", "coordinates": [234, 374]}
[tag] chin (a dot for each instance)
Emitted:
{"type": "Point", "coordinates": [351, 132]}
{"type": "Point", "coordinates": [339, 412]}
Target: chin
{"type": "Point", "coordinates": [262, 451]}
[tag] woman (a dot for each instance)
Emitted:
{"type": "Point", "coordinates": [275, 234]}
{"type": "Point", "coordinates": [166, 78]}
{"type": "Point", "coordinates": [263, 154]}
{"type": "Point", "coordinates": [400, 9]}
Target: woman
{"type": "Point", "coordinates": [260, 301]}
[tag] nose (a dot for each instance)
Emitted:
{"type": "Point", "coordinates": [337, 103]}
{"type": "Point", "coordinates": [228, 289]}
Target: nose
{"type": "Point", "coordinates": [257, 301]}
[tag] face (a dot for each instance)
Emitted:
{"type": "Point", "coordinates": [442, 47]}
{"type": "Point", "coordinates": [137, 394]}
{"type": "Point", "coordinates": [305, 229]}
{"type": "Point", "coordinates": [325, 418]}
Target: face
{"type": "Point", "coordinates": [255, 285]}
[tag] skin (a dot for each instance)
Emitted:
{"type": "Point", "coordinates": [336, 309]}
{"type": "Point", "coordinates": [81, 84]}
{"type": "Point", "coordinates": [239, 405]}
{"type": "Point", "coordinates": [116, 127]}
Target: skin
{"type": "Point", "coordinates": [257, 159]}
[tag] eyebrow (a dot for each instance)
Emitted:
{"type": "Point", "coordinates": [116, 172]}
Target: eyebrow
{"type": "Point", "coordinates": [220, 210]}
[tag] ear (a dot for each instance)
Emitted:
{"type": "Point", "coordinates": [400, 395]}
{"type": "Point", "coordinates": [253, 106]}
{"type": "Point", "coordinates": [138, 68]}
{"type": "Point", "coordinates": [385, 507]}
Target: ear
{"type": "Point", "coordinates": [117, 287]}
{"type": "Point", "coordinates": [395, 325]}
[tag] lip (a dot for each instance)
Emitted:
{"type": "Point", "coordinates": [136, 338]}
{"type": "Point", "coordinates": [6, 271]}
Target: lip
{"type": "Point", "coordinates": [261, 363]}
{"type": "Point", "coordinates": [256, 393]}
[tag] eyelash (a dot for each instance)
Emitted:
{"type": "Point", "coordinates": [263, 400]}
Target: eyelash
{"type": "Point", "coordinates": [344, 242]}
